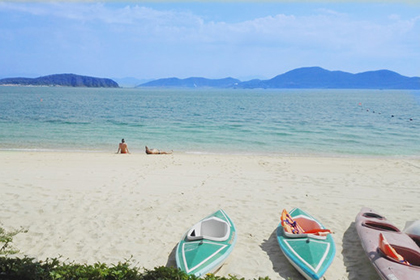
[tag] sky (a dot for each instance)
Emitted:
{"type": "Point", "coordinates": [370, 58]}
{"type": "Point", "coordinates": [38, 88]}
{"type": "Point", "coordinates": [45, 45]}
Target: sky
{"type": "Point", "coordinates": [211, 39]}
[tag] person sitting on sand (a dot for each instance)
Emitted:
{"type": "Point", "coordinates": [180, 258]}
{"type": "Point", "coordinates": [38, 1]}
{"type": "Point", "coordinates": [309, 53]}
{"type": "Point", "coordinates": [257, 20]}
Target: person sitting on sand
{"type": "Point", "coordinates": [156, 152]}
{"type": "Point", "coordinates": [123, 148]}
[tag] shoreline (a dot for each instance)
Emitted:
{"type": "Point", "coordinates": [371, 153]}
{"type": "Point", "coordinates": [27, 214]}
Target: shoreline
{"type": "Point", "coordinates": [104, 207]}
{"type": "Point", "coordinates": [212, 153]}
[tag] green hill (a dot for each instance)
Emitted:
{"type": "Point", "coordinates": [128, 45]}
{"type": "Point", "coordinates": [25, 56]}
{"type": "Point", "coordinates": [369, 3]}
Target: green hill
{"type": "Point", "coordinates": [65, 80]}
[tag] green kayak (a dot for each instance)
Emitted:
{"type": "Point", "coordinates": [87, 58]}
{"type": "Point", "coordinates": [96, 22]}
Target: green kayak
{"type": "Point", "coordinates": [205, 246]}
{"type": "Point", "coordinates": [306, 243]}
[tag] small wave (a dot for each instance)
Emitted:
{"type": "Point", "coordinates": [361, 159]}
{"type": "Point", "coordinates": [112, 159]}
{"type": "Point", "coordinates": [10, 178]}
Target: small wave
{"type": "Point", "coordinates": [124, 123]}
{"type": "Point", "coordinates": [68, 122]}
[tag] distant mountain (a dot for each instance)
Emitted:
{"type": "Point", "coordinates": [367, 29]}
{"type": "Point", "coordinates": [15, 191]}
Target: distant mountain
{"type": "Point", "coordinates": [193, 83]}
{"type": "Point", "coordinates": [307, 77]}
{"type": "Point", "coordinates": [316, 77]}
{"type": "Point", "coordinates": [67, 80]}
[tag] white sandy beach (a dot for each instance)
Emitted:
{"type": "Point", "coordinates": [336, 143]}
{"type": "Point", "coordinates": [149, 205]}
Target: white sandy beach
{"type": "Point", "coordinates": [98, 207]}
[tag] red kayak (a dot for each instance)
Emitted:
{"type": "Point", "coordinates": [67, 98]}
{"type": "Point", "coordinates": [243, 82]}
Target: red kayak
{"type": "Point", "coordinates": [393, 253]}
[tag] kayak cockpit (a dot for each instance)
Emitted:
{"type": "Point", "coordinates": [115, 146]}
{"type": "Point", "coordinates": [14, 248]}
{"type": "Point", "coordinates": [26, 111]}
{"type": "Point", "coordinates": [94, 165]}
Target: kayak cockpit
{"type": "Point", "coordinates": [212, 229]}
{"type": "Point", "coordinates": [410, 255]}
{"type": "Point", "coordinates": [381, 226]}
{"type": "Point", "coordinates": [307, 224]}
{"type": "Point", "coordinates": [399, 249]}
{"type": "Point", "coordinates": [309, 228]}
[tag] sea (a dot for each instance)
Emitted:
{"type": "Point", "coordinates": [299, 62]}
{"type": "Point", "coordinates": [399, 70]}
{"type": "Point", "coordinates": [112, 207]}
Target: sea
{"type": "Point", "coordinates": [285, 122]}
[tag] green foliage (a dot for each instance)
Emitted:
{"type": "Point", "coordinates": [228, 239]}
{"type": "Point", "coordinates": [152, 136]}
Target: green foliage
{"type": "Point", "coordinates": [6, 239]}
{"type": "Point", "coordinates": [52, 269]}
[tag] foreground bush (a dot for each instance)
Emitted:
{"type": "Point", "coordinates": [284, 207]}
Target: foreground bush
{"type": "Point", "coordinates": [6, 240]}
{"type": "Point", "coordinates": [52, 269]}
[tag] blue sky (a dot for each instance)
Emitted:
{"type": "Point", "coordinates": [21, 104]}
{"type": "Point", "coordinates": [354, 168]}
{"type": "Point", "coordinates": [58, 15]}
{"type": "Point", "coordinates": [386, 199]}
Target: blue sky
{"type": "Point", "coordinates": [244, 40]}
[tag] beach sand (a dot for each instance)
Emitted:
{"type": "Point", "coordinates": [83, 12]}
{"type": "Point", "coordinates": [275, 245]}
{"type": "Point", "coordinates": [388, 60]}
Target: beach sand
{"type": "Point", "coordinates": [98, 207]}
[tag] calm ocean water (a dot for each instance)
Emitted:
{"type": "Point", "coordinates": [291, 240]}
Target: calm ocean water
{"type": "Point", "coordinates": [284, 122]}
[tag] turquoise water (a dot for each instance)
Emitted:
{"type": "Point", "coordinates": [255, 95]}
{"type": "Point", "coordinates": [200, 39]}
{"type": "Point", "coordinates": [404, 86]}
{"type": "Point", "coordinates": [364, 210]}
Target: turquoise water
{"type": "Point", "coordinates": [284, 122]}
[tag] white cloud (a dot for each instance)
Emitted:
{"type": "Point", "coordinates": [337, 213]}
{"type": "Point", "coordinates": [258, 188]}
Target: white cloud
{"type": "Point", "coordinates": [326, 27]}
{"type": "Point", "coordinates": [325, 37]}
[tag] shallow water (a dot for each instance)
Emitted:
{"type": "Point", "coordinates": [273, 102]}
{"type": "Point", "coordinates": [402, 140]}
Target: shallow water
{"type": "Point", "coordinates": [286, 122]}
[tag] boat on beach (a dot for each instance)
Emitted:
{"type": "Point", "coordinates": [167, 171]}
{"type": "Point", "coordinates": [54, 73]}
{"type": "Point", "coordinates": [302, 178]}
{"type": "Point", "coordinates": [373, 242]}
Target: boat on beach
{"type": "Point", "coordinates": [412, 229]}
{"type": "Point", "coordinates": [392, 252]}
{"type": "Point", "coordinates": [306, 243]}
{"type": "Point", "coordinates": [205, 246]}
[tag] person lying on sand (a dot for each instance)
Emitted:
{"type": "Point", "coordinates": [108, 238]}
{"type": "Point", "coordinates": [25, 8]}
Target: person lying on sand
{"type": "Point", "coordinates": [123, 148]}
{"type": "Point", "coordinates": [156, 152]}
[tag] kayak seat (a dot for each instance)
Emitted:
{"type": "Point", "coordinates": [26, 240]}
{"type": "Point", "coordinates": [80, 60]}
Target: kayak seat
{"type": "Point", "coordinates": [302, 227]}
{"type": "Point", "coordinates": [212, 229]}
{"type": "Point", "coordinates": [389, 251]}
{"type": "Point", "coordinates": [307, 224]}
{"type": "Point", "coordinates": [399, 253]}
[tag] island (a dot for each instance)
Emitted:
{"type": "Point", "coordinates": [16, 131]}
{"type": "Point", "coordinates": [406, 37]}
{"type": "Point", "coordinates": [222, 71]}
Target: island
{"type": "Point", "coordinates": [306, 77]}
{"type": "Point", "coordinates": [64, 80]}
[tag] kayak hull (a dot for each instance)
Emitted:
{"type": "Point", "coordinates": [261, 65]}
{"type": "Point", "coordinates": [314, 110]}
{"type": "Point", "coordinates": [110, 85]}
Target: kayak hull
{"type": "Point", "coordinates": [197, 253]}
{"type": "Point", "coordinates": [370, 225]}
{"type": "Point", "coordinates": [311, 255]}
